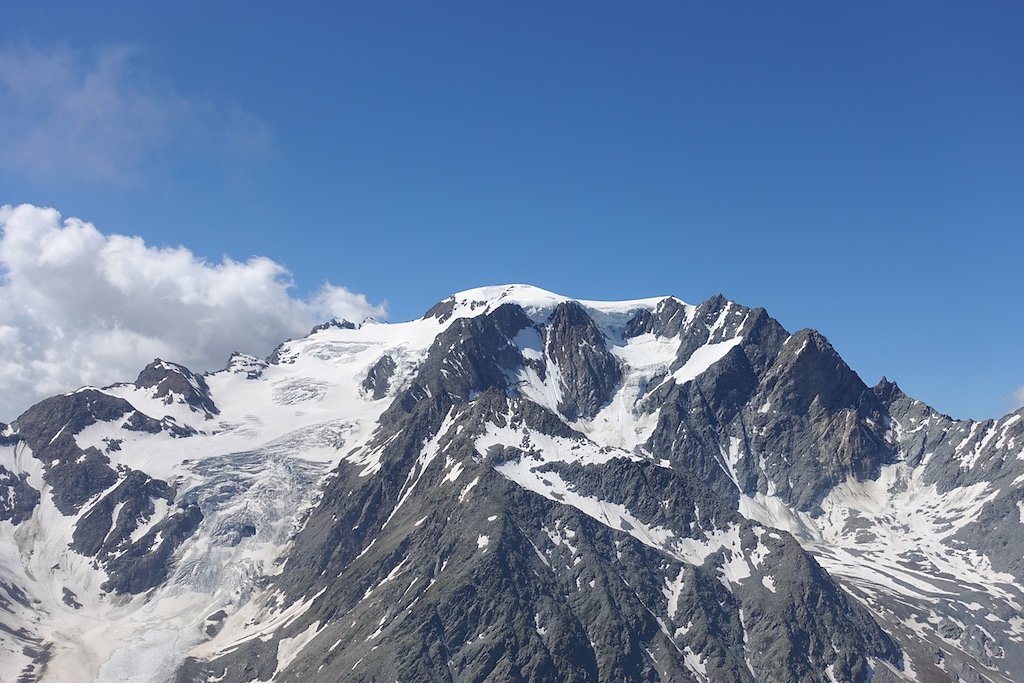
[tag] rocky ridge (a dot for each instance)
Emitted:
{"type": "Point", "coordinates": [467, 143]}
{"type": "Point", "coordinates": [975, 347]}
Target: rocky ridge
{"type": "Point", "coordinates": [518, 486]}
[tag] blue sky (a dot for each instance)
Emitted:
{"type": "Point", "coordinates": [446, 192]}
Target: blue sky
{"type": "Point", "coordinates": [854, 167]}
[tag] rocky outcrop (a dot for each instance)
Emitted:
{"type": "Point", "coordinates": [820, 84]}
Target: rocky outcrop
{"type": "Point", "coordinates": [172, 383]}
{"type": "Point", "coordinates": [378, 379]}
{"type": "Point", "coordinates": [17, 498]}
{"type": "Point", "coordinates": [84, 479]}
{"type": "Point", "coordinates": [546, 490]}
{"type": "Point", "coordinates": [333, 325]}
{"type": "Point", "coordinates": [587, 371]}
{"type": "Point", "coordinates": [48, 428]}
{"type": "Point", "coordinates": [439, 567]}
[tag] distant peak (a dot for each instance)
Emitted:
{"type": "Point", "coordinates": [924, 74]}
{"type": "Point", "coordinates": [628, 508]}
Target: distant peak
{"type": "Point", "coordinates": [539, 303]}
{"type": "Point", "coordinates": [514, 291]}
{"type": "Point", "coordinates": [159, 365]}
{"type": "Point", "coordinates": [336, 323]}
{"type": "Point", "coordinates": [172, 381]}
{"type": "Point", "coordinates": [886, 390]}
{"type": "Point", "coordinates": [885, 383]}
{"type": "Point", "coordinates": [809, 336]}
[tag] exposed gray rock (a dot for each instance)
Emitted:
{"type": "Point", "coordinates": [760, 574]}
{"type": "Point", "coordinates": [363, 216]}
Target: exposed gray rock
{"type": "Point", "coordinates": [716, 320]}
{"type": "Point", "coordinates": [5, 438]}
{"type": "Point", "coordinates": [244, 364]}
{"type": "Point", "coordinates": [173, 382]}
{"type": "Point", "coordinates": [333, 324]}
{"type": "Point", "coordinates": [998, 533]}
{"type": "Point", "coordinates": [47, 428]}
{"type": "Point", "coordinates": [440, 560]}
{"type": "Point", "coordinates": [70, 599]}
{"type": "Point", "coordinates": [826, 425]}
{"type": "Point", "coordinates": [378, 379]}
{"type": "Point", "coordinates": [146, 563]}
{"type": "Point", "coordinates": [277, 356]}
{"type": "Point", "coordinates": [469, 357]}
{"type": "Point", "coordinates": [133, 566]}
{"type": "Point", "coordinates": [667, 320]}
{"type": "Point", "coordinates": [422, 578]}
{"type": "Point", "coordinates": [589, 372]}
{"type": "Point", "coordinates": [68, 414]}
{"type": "Point", "coordinates": [140, 422]}
{"type": "Point", "coordinates": [12, 594]}
{"type": "Point", "coordinates": [442, 310]}
{"type": "Point", "coordinates": [17, 498]}
{"type": "Point", "coordinates": [789, 412]}
{"type": "Point", "coordinates": [99, 534]}
{"type": "Point", "coordinates": [78, 476]}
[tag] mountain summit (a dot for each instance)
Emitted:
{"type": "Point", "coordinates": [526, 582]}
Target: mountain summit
{"type": "Point", "coordinates": [519, 486]}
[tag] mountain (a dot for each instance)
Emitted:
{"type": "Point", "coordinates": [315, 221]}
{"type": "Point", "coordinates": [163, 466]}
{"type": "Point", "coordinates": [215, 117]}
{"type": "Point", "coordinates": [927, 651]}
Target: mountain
{"type": "Point", "coordinates": [518, 486]}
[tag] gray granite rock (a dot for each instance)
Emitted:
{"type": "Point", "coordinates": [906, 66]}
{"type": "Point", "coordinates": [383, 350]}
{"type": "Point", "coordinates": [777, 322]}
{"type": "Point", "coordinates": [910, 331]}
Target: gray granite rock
{"type": "Point", "coordinates": [589, 372]}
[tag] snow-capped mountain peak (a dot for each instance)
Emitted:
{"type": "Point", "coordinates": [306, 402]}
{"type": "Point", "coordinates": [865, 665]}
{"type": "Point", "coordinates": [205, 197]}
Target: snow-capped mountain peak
{"type": "Point", "coordinates": [518, 484]}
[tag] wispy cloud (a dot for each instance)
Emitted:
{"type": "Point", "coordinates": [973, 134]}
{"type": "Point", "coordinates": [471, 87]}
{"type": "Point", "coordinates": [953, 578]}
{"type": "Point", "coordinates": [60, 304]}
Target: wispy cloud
{"type": "Point", "coordinates": [82, 307]}
{"type": "Point", "coordinates": [101, 114]}
{"type": "Point", "coordinates": [1017, 398]}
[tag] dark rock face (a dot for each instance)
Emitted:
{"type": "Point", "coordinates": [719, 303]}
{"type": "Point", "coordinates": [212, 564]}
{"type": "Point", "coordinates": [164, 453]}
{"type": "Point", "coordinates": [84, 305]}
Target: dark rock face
{"type": "Point", "coordinates": [170, 381]}
{"type": "Point", "coordinates": [68, 414]}
{"type": "Point", "coordinates": [422, 572]}
{"type": "Point", "coordinates": [74, 482]}
{"type": "Point", "coordinates": [139, 422]}
{"type": "Point", "coordinates": [47, 428]}
{"type": "Point", "coordinates": [471, 356]}
{"type": "Point", "coordinates": [277, 356]}
{"type": "Point", "coordinates": [70, 599]}
{"type": "Point", "coordinates": [99, 534]}
{"type": "Point", "coordinates": [145, 563]}
{"type": "Point", "coordinates": [952, 452]}
{"type": "Point", "coordinates": [809, 373]}
{"type": "Point", "coordinates": [333, 325]}
{"type": "Point", "coordinates": [667, 320]}
{"type": "Point", "coordinates": [487, 531]}
{"type": "Point", "coordinates": [133, 566]}
{"type": "Point", "coordinates": [588, 370]}
{"type": "Point", "coordinates": [998, 533]}
{"type": "Point", "coordinates": [786, 411]}
{"type": "Point", "coordinates": [77, 476]}
{"type": "Point", "coordinates": [715, 321]}
{"type": "Point", "coordinates": [6, 439]}
{"type": "Point", "coordinates": [813, 605]}
{"type": "Point", "coordinates": [244, 364]}
{"type": "Point", "coordinates": [17, 498]}
{"type": "Point", "coordinates": [515, 586]}
{"type": "Point", "coordinates": [442, 310]}
{"type": "Point", "coordinates": [826, 420]}
{"type": "Point", "coordinates": [378, 379]}
{"type": "Point", "coordinates": [956, 453]}
{"type": "Point", "coordinates": [11, 595]}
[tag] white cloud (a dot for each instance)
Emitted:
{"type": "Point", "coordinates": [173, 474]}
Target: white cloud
{"type": "Point", "coordinates": [1017, 398]}
{"type": "Point", "coordinates": [101, 115]}
{"type": "Point", "coordinates": [80, 307]}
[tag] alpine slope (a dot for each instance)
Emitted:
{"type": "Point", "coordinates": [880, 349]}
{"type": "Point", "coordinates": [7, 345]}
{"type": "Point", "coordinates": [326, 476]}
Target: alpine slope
{"type": "Point", "coordinates": [518, 486]}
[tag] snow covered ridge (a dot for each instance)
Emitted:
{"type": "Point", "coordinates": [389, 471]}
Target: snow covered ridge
{"type": "Point", "coordinates": [516, 485]}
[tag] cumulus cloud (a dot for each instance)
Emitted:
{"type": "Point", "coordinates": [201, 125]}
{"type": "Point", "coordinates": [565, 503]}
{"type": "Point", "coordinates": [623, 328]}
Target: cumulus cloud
{"type": "Point", "coordinates": [100, 115]}
{"type": "Point", "coordinates": [80, 307]}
